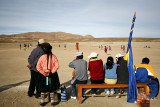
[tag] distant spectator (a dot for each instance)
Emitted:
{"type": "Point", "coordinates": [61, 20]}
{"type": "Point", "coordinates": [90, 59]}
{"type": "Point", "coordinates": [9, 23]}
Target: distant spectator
{"type": "Point", "coordinates": [25, 47]}
{"type": "Point", "coordinates": [109, 48]}
{"type": "Point", "coordinates": [20, 46]}
{"type": "Point", "coordinates": [124, 48]}
{"type": "Point", "coordinates": [105, 49]}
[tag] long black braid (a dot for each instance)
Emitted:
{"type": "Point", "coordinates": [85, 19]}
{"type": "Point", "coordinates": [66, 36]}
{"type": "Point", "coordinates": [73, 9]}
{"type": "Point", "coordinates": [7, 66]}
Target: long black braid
{"type": "Point", "coordinates": [48, 58]}
{"type": "Point", "coordinates": [47, 48]}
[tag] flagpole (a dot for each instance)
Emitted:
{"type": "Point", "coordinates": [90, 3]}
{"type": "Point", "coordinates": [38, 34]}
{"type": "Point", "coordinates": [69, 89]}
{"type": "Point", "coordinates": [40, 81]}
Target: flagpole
{"type": "Point", "coordinates": [132, 86]}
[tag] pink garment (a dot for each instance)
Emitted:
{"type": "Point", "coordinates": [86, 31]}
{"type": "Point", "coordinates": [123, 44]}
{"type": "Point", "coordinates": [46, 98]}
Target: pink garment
{"type": "Point", "coordinates": [52, 65]}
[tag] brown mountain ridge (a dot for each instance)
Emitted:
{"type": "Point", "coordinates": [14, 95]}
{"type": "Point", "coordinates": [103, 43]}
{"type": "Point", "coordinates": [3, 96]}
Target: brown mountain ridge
{"type": "Point", "coordinates": [67, 37]}
{"type": "Point", "coordinates": [52, 36]}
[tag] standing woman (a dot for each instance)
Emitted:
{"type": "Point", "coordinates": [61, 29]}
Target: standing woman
{"type": "Point", "coordinates": [48, 66]}
{"type": "Point", "coordinates": [110, 69]}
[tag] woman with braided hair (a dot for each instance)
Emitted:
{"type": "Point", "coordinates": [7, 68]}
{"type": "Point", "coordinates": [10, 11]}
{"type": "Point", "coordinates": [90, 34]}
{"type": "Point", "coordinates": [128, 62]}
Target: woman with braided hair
{"type": "Point", "coordinates": [48, 66]}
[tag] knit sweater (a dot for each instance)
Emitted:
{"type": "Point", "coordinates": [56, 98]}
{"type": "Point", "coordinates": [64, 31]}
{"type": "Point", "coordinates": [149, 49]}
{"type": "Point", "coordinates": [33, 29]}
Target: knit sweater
{"type": "Point", "coordinates": [96, 69]}
{"type": "Point", "coordinates": [80, 67]}
{"type": "Point", "coordinates": [53, 65]}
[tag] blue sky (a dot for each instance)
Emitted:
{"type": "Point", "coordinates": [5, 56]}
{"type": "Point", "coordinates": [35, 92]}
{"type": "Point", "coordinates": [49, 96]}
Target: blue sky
{"type": "Point", "coordinates": [99, 18]}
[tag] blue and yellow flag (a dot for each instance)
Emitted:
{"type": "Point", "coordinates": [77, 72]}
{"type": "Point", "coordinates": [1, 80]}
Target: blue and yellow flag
{"type": "Point", "coordinates": [132, 86]}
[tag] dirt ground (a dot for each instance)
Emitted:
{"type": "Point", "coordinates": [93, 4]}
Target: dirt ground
{"type": "Point", "coordinates": [15, 76]}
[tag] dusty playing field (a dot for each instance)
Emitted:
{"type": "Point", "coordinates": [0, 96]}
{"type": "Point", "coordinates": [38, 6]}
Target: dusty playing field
{"type": "Point", "coordinates": [15, 76]}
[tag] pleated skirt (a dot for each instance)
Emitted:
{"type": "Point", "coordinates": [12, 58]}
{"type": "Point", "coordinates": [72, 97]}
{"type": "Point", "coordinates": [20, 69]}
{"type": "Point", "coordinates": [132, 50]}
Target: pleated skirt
{"type": "Point", "coordinates": [50, 85]}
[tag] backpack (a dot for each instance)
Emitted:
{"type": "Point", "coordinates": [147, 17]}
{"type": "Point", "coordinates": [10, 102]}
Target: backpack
{"type": "Point", "coordinates": [47, 48]}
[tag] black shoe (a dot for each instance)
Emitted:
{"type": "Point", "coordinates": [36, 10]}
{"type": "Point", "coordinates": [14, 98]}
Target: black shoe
{"type": "Point", "coordinates": [42, 104]}
{"type": "Point", "coordinates": [38, 95]}
{"type": "Point", "coordinates": [30, 95]}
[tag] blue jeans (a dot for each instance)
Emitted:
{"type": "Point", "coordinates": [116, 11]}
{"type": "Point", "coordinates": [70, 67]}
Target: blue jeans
{"type": "Point", "coordinates": [73, 87]}
{"type": "Point", "coordinates": [154, 88]}
{"type": "Point", "coordinates": [107, 89]}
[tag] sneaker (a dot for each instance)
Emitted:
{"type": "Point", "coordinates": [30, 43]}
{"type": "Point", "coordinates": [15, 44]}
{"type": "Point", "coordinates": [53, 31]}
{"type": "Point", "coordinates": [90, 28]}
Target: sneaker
{"type": "Point", "coordinates": [112, 92]}
{"type": "Point", "coordinates": [93, 93]}
{"type": "Point", "coordinates": [107, 93]}
{"type": "Point", "coordinates": [118, 96]}
{"type": "Point", "coordinates": [73, 97]}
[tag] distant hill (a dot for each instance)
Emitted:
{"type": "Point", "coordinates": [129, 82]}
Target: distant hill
{"type": "Point", "coordinates": [52, 36]}
{"type": "Point", "coordinates": [67, 37]}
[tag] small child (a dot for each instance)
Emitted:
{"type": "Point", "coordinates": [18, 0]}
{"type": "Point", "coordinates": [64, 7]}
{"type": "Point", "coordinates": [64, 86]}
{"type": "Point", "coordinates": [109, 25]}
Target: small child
{"type": "Point", "coordinates": [110, 74]}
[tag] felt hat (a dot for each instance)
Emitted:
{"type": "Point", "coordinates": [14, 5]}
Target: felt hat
{"type": "Point", "coordinates": [40, 41]}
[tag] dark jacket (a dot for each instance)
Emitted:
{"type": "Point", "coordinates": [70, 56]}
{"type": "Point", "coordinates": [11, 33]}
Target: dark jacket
{"type": "Point", "coordinates": [122, 72]}
{"type": "Point", "coordinates": [34, 56]}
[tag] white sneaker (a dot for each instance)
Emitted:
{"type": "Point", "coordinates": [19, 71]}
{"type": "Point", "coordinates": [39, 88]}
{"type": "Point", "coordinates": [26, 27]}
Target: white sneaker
{"type": "Point", "coordinates": [107, 93]}
{"type": "Point", "coordinates": [73, 97]}
{"type": "Point", "coordinates": [118, 96]}
{"type": "Point", "coordinates": [112, 92]}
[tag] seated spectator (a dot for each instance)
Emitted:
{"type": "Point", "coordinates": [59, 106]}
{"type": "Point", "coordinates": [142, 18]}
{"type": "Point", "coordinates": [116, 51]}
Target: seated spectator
{"type": "Point", "coordinates": [110, 74]}
{"type": "Point", "coordinates": [122, 72]}
{"type": "Point", "coordinates": [145, 74]}
{"type": "Point", "coordinates": [80, 76]}
{"type": "Point", "coordinates": [95, 67]}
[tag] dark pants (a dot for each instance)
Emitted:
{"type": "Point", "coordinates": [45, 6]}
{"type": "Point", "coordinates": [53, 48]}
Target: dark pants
{"type": "Point", "coordinates": [73, 87]}
{"type": "Point", "coordinates": [117, 90]}
{"type": "Point", "coordinates": [33, 83]}
{"type": "Point", "coordinates": [93, 90]}
{"type": "Point", "coordinates": [154, 85]}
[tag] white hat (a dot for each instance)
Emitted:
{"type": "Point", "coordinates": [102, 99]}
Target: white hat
{"type": "Point", "coordinates": [119, 55]}
{"type": "Point", "coordinates": [93, 54]}
{"type": "Point", "coordinates": [41, 41]}
{"type": "Point", "coordinates": [79, 53]}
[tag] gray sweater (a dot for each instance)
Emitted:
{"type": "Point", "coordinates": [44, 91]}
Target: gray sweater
{"type": "Point", "coordinates": [80, 67]}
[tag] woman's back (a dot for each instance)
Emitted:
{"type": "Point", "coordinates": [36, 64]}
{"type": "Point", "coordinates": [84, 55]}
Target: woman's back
{"type": "Point", "coordinates": [96, 69]}
{"type": "Point", "coordinates": [110, 73]}
{"type": "Point", "coordinates": [122, 72]}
